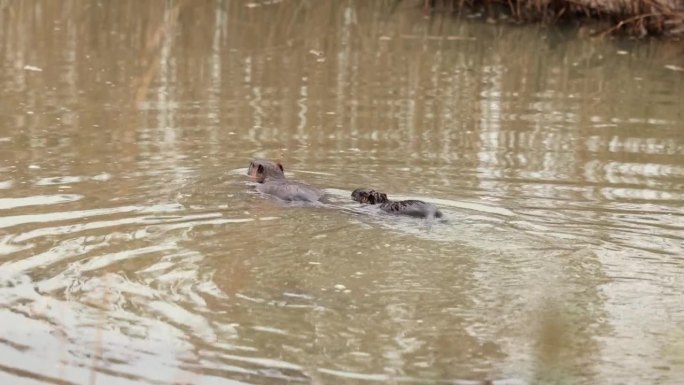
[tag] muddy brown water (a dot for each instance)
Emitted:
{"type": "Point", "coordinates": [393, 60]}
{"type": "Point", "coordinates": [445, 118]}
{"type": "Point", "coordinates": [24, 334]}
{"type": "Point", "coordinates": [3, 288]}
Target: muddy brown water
{"type": "Point", "coordinates": [134, 251]}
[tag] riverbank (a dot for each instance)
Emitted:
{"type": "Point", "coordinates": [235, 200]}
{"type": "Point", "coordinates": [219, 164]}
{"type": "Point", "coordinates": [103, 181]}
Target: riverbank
{"type": "Point", "coordinates": [632, 17]}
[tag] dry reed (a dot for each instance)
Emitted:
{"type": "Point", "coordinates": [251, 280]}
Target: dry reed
{"type": "Point", "coordinates": [634, 17]}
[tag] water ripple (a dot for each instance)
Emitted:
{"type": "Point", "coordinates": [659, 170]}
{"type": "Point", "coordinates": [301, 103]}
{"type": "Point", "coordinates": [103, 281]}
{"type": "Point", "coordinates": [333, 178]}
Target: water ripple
{"type": "Point", "coordinates": [38, 200]}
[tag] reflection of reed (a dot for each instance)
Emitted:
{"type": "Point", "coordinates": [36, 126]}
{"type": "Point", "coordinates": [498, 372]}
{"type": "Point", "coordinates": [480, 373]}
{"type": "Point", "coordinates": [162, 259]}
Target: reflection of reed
{"type": "Point", "coordinates": [397, 81]}
{"type": "Point", "coordinates": [167, 27]}
{"type": "Point", "coordinates": [423, 80]}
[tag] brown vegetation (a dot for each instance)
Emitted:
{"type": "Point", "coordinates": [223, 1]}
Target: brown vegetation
{"type": "Point", "coordinates": [635, 17]}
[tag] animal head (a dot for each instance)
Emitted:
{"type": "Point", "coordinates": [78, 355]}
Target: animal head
{"type": "Point", "coordinates": [262, 169]}
{"type": "Point", "coordinates": [363, 195]}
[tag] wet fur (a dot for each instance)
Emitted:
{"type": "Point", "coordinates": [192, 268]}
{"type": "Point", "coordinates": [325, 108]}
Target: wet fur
{"type": "Point", "coordinates": [262, 169]}
{"type": "Point", "coordinates": [413, 208]}
{"type": "Point", "coordinates": [271, 180]}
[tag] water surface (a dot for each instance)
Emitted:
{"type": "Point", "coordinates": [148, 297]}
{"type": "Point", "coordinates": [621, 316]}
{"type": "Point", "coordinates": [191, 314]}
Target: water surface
{"type": "Point", "coordinates": [134, 250]}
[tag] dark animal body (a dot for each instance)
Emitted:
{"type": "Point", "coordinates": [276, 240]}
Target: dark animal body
{"type": "Point", "coordinates": [413, 208]}
{"type": "Point", "coordinates": [271, 180]}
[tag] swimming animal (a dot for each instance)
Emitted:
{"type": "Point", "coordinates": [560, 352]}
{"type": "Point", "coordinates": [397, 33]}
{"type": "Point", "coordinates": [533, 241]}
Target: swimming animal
{"type": "Point", "coordinates": [271, 180]}
{"type": "Point", "coordinates": [412, 208]}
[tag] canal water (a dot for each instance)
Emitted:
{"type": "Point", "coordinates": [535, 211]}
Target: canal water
{"type": "Point", "coordinates": [134, 250]}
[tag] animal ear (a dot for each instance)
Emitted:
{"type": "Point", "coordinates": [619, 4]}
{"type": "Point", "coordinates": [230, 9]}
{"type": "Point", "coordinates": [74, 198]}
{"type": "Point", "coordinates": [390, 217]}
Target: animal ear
{"type": "Point", "coordinates": [280, 166]}
{"type": "Point", "coordinates": [260, 169]}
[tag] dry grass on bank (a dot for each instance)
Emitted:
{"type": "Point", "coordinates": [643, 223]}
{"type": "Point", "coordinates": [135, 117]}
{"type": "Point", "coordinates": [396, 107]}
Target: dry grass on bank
{"type": "Point", "coordinates": [634, 17]}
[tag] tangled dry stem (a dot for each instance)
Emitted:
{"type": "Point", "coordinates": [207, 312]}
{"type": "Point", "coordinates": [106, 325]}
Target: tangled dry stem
{"type": "Point", "coordinates": [637, 17]}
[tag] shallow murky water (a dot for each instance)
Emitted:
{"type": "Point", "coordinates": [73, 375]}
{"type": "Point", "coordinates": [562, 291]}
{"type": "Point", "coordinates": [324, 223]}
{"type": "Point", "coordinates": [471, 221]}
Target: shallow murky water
{"type": "Point", "coordinates": [134, 250]}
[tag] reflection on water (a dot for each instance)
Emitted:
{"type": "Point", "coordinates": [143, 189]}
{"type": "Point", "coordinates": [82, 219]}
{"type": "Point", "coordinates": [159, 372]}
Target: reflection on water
{"type": "Point", "coordinates": [133, 250]}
